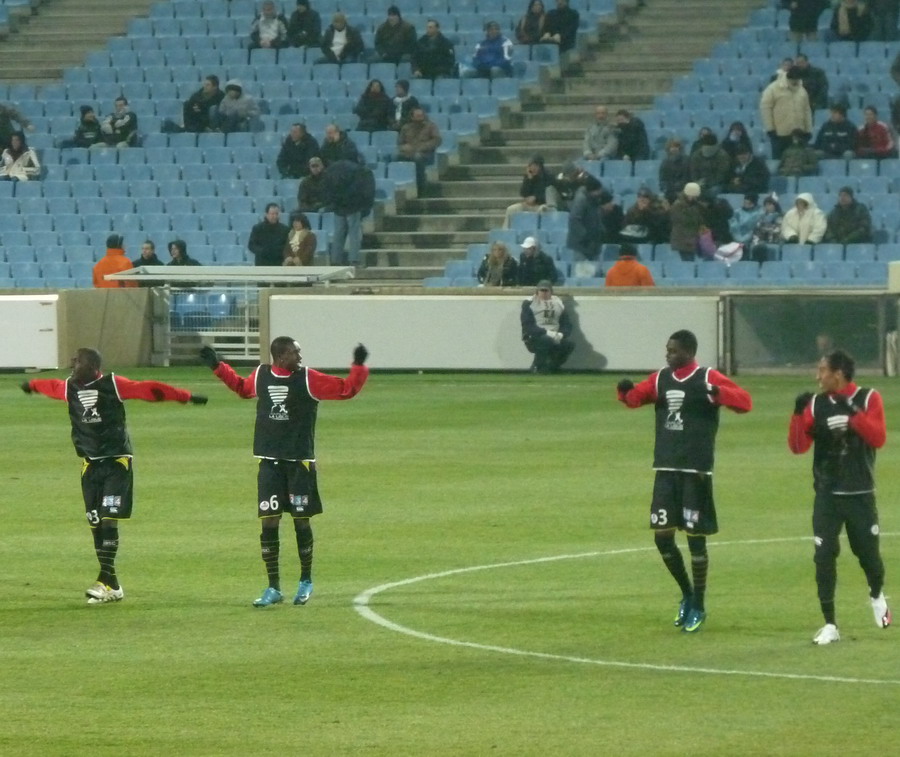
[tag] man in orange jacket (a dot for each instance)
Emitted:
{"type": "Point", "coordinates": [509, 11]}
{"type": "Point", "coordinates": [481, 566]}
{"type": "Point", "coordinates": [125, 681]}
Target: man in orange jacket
{"type": "Point", "coordinates": [113, 262]}
{"type": "Point", "coordinates": [627, 271]}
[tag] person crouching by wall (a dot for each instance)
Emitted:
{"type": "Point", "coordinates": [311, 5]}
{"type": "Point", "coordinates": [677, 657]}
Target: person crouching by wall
{"type": "Point", "coordinates": [546, 329]}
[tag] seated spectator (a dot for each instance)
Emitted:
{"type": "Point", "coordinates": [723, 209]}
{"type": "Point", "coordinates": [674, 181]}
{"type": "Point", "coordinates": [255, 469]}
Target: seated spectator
{"type": "Point", "coordinates": [627, 271]}
{"type": "Point", "coordinates": [499, 268]}
{"type": "Point", "coordinates": [178, 251]}
{"type": "Point", "coordinates": [197, 109]}
{"type": "Point", "coordinates": [766, 237]}
{"type": "Point", "coordinates": [301, 242]}
{"type": "Point", "coordinates": [148, 256]}
{"type": "Point", "coordinates": [417, 142]}
{"type": "Point", "coordinates": [434, 57]}
{"type": "Point", "coordinates": [815, 82]}
{"type": "Point", "coordinates": [698, 143]}
{"type": "Point", "coordinates": [530, 28]}
{"type": "Point", "coordinates": [341, 43]}
{"type": "Point", "coordinates": [874, 139]}
{"type": "Point", "coordinates": [337, 146]}
{"type": "Point", "coordinates": [686, 219]}
{"type": "Point", "coordinates": [710, 166]}
{"type": "Point", "coordinates": [717, 214]}
{"type": "Point", "coordinates": [87, 133]}
{"type": "Point", "coordinates": [805, 223]}
{"type": "Point", "coordinates": [305, 26]}
{"type": "Point", "coordinates": [493, 55]}
{"type": "Point", "coordinates": [404, 104]}
{"type": "Point", "coordinates": [837, 137]}
{"type": "Point", "coordinates": [374, 108]}
{"type": "Point", "coordinates": [561, 26]}
{"type": "Point", "coordinates": [113, 262]}
{"type": "Point", "coordinates": [736, 139]}
{"type": "Point", "coordinates": [674, 170]}
{"type": "Point", "coordinates": [633, 142]}
{"type": "Point", "coordinates": [311, 193]}
{"type": "Point", "coordinates": [535, 264]}
{"type": "Point", "coordinates": [804, 18]}
{"type": "Point", "coordinates": [395, 39]}
{"type": "Point", "coordinates": [586, 233]}
{"type": "Point", "coordinates": [749, 173]}
{"type": "Point", "coordinates": [743, 223]}
{"type": "Point", "coordinates": [601, 140]}
{"type": "Point", "coordinates": [537, 191]}
{"type": "Point", "coordinates": [546, 329]}
{"type": "Point", "coordinates": [8, 114]}
{"type": "Point", "coordinates": [119, 129]}
{"type": "Point", "coordinates": [850, 22]}
{"type": "Point", "coordinates": [236, 112]}
{"type": "Point", "coordinates": [612, 217]}
{"type": "Point", "coordinates": [269, 28]}
{"type": "Point", "coordinates": [20, 162]}
{"type": "Point", "coordinates": [569, 180]}
{"type": "Point", "coordinates": [647, 221]}
{"type": "Point", "coordinates": [799, 159]}
{"type": "Point", "coordinates": [267, 238]}
{"type": "Point", "coordinates": [296, 151]}
{"type": "Point", "coordinates": [849, 222]}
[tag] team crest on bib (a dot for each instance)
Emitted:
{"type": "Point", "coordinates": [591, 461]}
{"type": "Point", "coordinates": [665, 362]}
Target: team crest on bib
{"type": "Point", "coordinates": [674, 401]}
{"type": "Point", "coordinates": [278, 395]}
{"type": "Point", "coordinates": [88, 399]}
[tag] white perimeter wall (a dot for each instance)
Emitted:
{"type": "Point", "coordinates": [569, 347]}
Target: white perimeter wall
{"type": "Point", "coordinates": [30, 336]}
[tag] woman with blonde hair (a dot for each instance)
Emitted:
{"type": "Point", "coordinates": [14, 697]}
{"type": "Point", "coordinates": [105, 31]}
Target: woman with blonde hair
{"type": "Point", "coordinates": [499, 268]}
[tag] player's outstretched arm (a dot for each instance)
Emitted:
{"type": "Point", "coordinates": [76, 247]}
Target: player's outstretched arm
{"type": "Point", "coordinates": [800, 437]}
{"type": "Point", "coordinates": [325, 387]}
{"type": "Point", "coordinates": [243, 387]}
{"type": "Point", "coordinates": [635, 395]}
{"type": "Point", "coordinates": [155, 391]}
{"type": "Point", "coordinates": [53, 388]}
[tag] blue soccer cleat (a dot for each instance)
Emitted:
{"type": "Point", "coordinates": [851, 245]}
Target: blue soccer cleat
{"type": "Point", "coordinates": [684, 609]}
{"type": "Point", "coordinates": [269, 597]}
{"type": "Point", "coordinates": [694, 620]}
{"type": "Point", "coordinates": [304, 591]}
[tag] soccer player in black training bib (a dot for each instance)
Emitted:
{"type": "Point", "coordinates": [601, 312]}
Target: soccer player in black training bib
{"type": "Point", "coordinates": [284, 441]}
{"type": "Point", "coordinates": [687, 399]}
{"type": "Point", "coordinates": [846, 424]}
{"type": "Point", "coordinates": [100, 436]}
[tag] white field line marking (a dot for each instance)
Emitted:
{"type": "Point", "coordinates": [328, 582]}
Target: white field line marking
{"type": "Point", "coordinates": [362, 601]}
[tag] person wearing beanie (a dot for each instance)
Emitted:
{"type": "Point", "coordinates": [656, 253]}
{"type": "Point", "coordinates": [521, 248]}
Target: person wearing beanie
{"type": "Point", "coordinates": [178, 251]}
{"type": "Point", "coordinates": [493, 55]}
{"type": "Point", "coordinates": [535, 265]}
{"type": "Point", "coordinates": [799, 158]}
{"type": "Point", "coordinates": [434, 57]}
{"type": "Point", "coordinates": [686, 217]}
{"type": "Point", "coordinates": [236, 112]}
{"type": "Point", "coordinates": [784, 106]}
{"type": "Point", "coordinates": [269, 28]}
{"type": "Point", "coordinates": [395, 39]}
{"type": "Point", "coordinates": [546, 329]}
{"type": "Point", "coordinates": [113, 262]}
{"type": "Point", "coordinates": [837, 136]}
{"type": "Point", "coordinates": [849, 222]}
{"type": "Point", "coordinates": [341, 43]}
{"type": "Point", "coordinates": [18, 161]}
{"type": "Point", "coordinates": [87, 133]}
{"type": "Point", "coordinates": [627, 271]}
{"type": "Point", "coordinates": [305, 27]}
{"type": "Point", "coordinates": [710, 165]}
{"type": "Point", "coordinates": [404, 104]}
{"type": "Point", "coordinates": [538, 192]}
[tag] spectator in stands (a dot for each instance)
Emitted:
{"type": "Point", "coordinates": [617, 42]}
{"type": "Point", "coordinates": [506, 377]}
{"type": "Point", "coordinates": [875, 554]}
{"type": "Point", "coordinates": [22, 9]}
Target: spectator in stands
{"type": "Point", "coordinates": [784, 106]}
{"type": "Point", "coordinates": [535, 264]}
{"type": "Point", "coordinates": [350, 194]}
{"type": "Point", "coordinates": [749, 173]}
{"type": "Point", "coordinates": [538, 192]}
{"type": "Point", "coordinates": [197, 109]}
{"type": "Point", "coordinates": [546, 329]}
{"type": "Point", "coordinates": [311, 194]}
{"type": "Point", "coordinates": [710, 166]}
{"type": "Point", "coordinates": [743, 222]}
{"type": "Point", "coordinates": [499, 268]}
{"type": "Point", "coordinates": [799, 158]}
{"type": "Point", "coordinates": [850, 22]}
{"type": "Point", "coordinates": [179, 254]}
{"type": "Point", "coordinates": [674, 169]}
{"type": "Point", "coordinates": [837, 137]}
{"type": "Point", "coordinates": [493, 55]}
{"type": "Point", "coordinates": [120, 128]}
{"type": "Point", "coordinates": [804, 19]}
{"type": "Point", "coordinates": [561, 26]}
{"type": "Point", "coordinates": [874, 139]}
{"type": "Point", "coordinates": [849, 222]}
{"type": "Point", "coordinates": [236, 112]}
{"type": "Point", "coordinates": [736, 139]}
{"type": "Point", "coordinates": [395, 39]}
{"type": "Point", "coordinates": [337, 146]}
{"type": "Point", "coordinates": [805, 223]}
{"type": "Point", "coordinates": [113, 262]}
{"type": "Point", "coordinates": [815, 82]}
{"type": "Point", "coordinates": [87, 133]}
{"type": "Point", "coordinates": [404, 104]}
{"type": "Point", "coordinates": [147, 257]}
{"type": "Point", "coordinates": [530, 28]}
{"type": "Point", "coordinates": [601, 140]}
{"type": "Point", "coordinates": [633, 142]}
{"type": "Point", "coordinates": [628, 271]}
{"type": "Point", "coordinates": [717, 214]}
{"type": "Point", "coordinates": [301, 242]}
{"type": "Point", "coordinates": [434, 57]}
{"type": "Point", "coordinates": [417, 142]}
{"type": "Point", "coordinates": [269, 28]}
{"type": "Point", "coordinates": [647, 221]}
{"type": "Point", "coordinates": [8, 114]}
{"type": "Point", "coordinates": [341, 43]}
{"type": "Point", "coordinates": [884, 19]}
{"type": "Point", "coordinates": [766, 237]}
{"type": "Point", "coordinates": [686, 219]}
{"type": "Point", "coordinates": [612, 217]}
{"type": "Point", "coordinates": [268, 238]}
{"type": "Point", "coordinates": [698, 143]}
{"type": "Point", "coordinates": [296, 150]}
{"type": "Point", "coordinates": [586, 233]}
{"type": "Point", "coordinates": [374, 108]}
{"type": "Point", "coordinates": [569, 180]}
{"type": "Point", "coordinates": [305, 26]}
{"type": "Point", "coordinates": [20, 162]}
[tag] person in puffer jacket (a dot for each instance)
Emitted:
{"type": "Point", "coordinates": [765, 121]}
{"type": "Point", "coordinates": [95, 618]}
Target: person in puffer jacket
{"type": "Point", "coordinates": [237, 111]}
{"type": "Point", "coordinates": [805, 223]}
{"type": "Point", "coordinates": [493, 55]}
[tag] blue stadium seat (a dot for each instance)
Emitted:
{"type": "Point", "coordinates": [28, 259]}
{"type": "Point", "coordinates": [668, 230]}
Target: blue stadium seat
{"type": "Point", "coordinates": [796, 253]}
{"type": "Point", "coordinates": [19, 254]}
{"type": "Point", "coordinates": [825, 253]}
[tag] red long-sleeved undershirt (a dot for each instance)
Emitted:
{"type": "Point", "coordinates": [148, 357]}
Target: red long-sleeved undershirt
{"type": "Point", "coordinates": [151, 391]}
{"type": "Point", "coordinates": [322, 386]}
{"type": "Point", "coordinates": [730, 395]}
{"type": "Point", "coordinates": [868, 422]}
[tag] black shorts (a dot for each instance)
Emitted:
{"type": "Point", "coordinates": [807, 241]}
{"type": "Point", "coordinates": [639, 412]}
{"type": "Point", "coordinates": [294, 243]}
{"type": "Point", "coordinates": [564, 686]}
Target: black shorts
{"type": "Point", "coordinates": [107, 486]}
{"type": "Point", "coordinates": [685, 501]}
{"type": "Point", "coordinates": [287, 486]}
{"type": "Point", "coordinates": [832, 512]}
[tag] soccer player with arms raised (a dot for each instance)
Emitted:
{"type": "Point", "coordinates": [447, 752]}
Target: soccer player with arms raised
{"type": "Point", "coordinates": [101, 438]}
{"type": "Point", "coordinates": [288, 398]}
{"type": "Point", "coordinates": [687, 399]}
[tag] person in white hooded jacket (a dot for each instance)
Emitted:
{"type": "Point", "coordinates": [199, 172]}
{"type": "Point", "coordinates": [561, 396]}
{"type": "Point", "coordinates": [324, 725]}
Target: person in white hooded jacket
{"type": "Point", "coordinates": [19, 162]}
{"type": "Point", "coordinates": [805, 223]}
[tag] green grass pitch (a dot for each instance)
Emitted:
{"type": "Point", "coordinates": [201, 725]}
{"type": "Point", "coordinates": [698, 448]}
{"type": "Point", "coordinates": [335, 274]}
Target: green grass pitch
{"type": "Point", "coordinates": [428, 475]}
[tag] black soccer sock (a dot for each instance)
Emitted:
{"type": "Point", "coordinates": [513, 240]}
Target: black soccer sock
{"type": "Point", "coordinates": [304, 547]}
{"type": "Point", "coordinates": [108, 538]}
{"type": "Point", "coordinates": [673, 560]}
{"type": "Point", "coordinates": [269, 546]}
{"type": "Point", "coordinates": [95, 535]}
{"type": "Point", "coordinates": [826, 580]}
{"type": "Point", "coordinates": [699, 569]}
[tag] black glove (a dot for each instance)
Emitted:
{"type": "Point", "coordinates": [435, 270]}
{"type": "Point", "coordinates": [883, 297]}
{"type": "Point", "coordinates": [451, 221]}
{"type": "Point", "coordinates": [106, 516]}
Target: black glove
{"type": "Point", "coordinates": [359, 355]}
{"type": "Point", "coordinates": [843, 402]}
{"type": "Point", "coordinates": [209, 356]}
{"type": "Point", "coordinates": [801, 402]}
{"type": "Point", "coordinates": [625, 386]}
{"type": "Point", "coordinates": [26, 387]}
{"type": "Point", "coordinates": [198, 399]}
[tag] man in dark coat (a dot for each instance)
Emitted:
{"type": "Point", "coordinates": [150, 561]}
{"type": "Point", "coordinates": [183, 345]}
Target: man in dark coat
{"type": "Point", "coordinates": [296, 151]}
{"type": "Point", "coordinates": [196, 109]}
{"type": "Point", "coordinates": [268, 238]}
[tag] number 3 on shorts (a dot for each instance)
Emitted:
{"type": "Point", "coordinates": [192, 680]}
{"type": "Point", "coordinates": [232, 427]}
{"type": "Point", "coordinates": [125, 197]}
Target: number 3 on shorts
{"type": "Point", "coordinates": [659, 517]}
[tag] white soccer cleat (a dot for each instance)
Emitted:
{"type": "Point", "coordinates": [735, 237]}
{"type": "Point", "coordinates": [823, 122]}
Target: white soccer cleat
{"type": "Point", "coordinates": [881, 611]}
{"type": "Point", "coordinates": [827, 634]}
{"type": "Point", "coordinates": [100, 594]}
